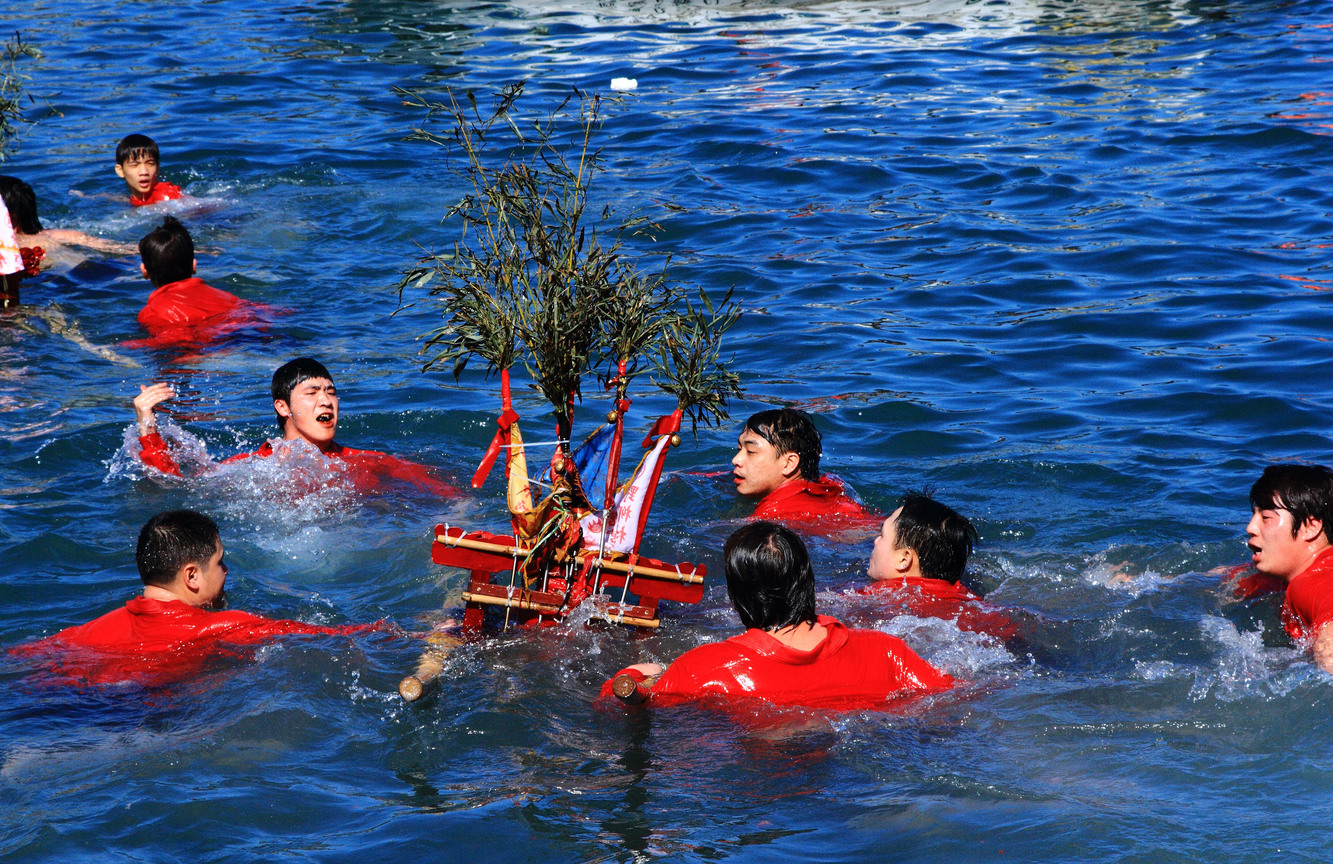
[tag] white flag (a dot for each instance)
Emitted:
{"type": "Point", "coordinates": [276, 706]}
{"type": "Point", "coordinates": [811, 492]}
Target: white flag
{"type": "Point", "coordinates": [623, 532]}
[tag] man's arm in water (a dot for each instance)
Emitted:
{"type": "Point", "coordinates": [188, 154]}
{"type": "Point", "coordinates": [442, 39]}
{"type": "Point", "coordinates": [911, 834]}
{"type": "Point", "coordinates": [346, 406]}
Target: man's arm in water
{"type": "Point", "coordinates": [152, 449]}
{"type": "Point", "coordinates": [71, 237]}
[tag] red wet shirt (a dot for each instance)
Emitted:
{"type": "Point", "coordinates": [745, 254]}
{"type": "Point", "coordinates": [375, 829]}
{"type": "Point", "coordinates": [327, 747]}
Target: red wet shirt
{"type": "Point", "coordinates": [186, 303]}
{"type": "Point", "coordinates": [1250, 584]}
{"type": "Point", "coordinates": [368, 469]}
{"type": "Point", "coordinates": [151, 641]}
{"type": "Point", "coordinates": [193, 313]}
{"type": "Point", "coordinates": [161, 191]}
{"type": "Point", "coordinates": [816, 502]}
{"type": "Point", "coordinates": [1309, 603]}
{"type": "Point", "coordinates": [849, 669]}
{"type": "Point", "coordinates": [935, 598]}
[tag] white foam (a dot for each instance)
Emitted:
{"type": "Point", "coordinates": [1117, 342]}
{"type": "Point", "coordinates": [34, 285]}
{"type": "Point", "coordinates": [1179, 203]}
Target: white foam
{"type": "Point", "coordinates": [1241, 667]}
{"type": "Point", "coordinates": [297, 485]}
{"type": "Point", "coordinates": [942, 644]}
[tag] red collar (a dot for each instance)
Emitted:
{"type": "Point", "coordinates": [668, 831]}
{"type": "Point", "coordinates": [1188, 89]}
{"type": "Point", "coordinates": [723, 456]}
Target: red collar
{"type": "Point", "coordinates": [925, 585]}
{"type": "Point", "coordinates": [1322, 561]}
{"type": "Point", "coordinates": [824, 487]}
{"type": "Point", "coordinates": [151, 606]}
{"type": "Point", "coordinates": [763, 642]}
{"type": "Point", "coordinates": [179, 285]}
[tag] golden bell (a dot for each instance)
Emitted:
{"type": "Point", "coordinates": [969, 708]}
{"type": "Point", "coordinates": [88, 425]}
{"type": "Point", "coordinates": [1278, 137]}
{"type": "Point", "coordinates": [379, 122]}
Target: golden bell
{"type": "Point", "coordinates": [675, 440]}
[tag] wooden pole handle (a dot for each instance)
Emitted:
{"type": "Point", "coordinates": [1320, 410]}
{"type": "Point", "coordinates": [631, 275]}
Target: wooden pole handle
{"type": "Point", "coordinates": [412, 688]}
{"type": "Point", "coordinates": [416, 685]}
{"type": "Point", "coordinates": [631, 690]}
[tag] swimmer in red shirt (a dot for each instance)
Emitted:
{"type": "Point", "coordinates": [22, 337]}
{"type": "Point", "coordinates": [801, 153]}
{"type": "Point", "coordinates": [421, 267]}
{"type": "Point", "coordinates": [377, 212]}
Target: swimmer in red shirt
{"type": "Point", "coordinates": [1292, 509]}
{"type": "Point", "coordinates": [136, 163]}
{"type": "Point", "coordinates": [172, 630]}
{"type": "Point", "coordinates": [182, 308]}
{"type": "Point", "coordinates": [777, 461]}
{"type": "Point", "coordinates": [918, 561]}
{"type": "Point", "coordinates": [788, 655]}
{"type": "Point", "coordinates": [306, 403]}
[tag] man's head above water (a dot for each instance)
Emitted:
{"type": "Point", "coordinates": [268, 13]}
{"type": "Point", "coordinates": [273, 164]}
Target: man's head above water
{"type": "Point", "coordinates": [775, 446]}
{"type": "Point", "coordinates": [306, 401]}
{"type": "Point", "coordinates": [180, 557]}
{"type": "Point", "coordinates": [1291, 512]}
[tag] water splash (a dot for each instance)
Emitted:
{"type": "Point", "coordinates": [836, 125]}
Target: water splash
{"type": "Point", "coordinates": [296, 485]}
{"type": "Point", "coordinates": [958, 652]}
{"type": "Point", "coordinates": [1241, 667]}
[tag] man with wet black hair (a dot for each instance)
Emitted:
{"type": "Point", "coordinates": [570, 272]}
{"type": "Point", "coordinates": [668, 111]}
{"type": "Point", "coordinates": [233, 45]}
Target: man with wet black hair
{"type": "Point", "coordinates": [1291, 511]}
{"type": "Point", "coordinates": [306, 403]}
{"type": "Point", "coordinates": [167, 252]}
{"type": "Point", "coordinates": [918, 559]}
{"type": "Point", "coordinates": [183, 309]}
{"type": "Point", "coordinates": [924, 539]}
{"type": "Point", "coordinates": [21, 202]}
{"type": "Point", "coordinates": [777, 461]}
{"type": "Point", "coordinates": [171, 628]}
{"type": "Point", "coordinates": [788, 654]}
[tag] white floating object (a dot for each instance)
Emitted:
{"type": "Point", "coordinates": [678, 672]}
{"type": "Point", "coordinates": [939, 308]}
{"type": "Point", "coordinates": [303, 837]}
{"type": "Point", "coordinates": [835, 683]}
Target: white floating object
{"type": "Point", "coordinates": [624, 83]}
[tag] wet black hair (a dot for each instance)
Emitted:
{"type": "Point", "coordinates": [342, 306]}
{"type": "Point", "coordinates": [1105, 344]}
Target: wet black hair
{"type": "Point", "coordinates": [167, 253]}
{"type": "Point", "coordinates": [769, 577]}
{"type": "Point", "coordinates": [170, 540]}
{"type": "Point", "coordinates": [941, 538]}
{"type": "Point", "coordinates": [21, 202]}
{"type": "Point", "coordinates": [290, 374]}
{"type": "Point", "coordinates": [136, 146]}
{"type": "Point", "coordinates": [1305, 491]}
{"type": "Point", "coordinates": [790, 430]}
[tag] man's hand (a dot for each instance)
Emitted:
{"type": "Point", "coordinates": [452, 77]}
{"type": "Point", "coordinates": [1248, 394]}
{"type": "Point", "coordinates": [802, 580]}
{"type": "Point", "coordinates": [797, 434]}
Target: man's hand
{"type": "Point", "coordinates": [150, 395]}
{"type": "Point", "coordinates": [1323, 649]}
{"type": "Point", "coordinates": [631, 690]}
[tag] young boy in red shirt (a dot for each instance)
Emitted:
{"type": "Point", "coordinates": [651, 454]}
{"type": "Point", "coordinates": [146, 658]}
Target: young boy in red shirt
{"type": "Point", "coordinates": [136, 163]}
{"type": "Point", "coordinates": [777, 461]}
{"type": "Point", "coordinates": [1291, 510]}
{"type": "Point", "coordinates": [305, 401]}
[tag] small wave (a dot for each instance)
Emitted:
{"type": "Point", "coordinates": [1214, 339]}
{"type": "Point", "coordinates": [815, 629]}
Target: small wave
{"type": "Point", "coordinates": [1120, 576]}
{"type": "Point", "coordinates": [961, 653]}
{"type": "Point", "coordinates": [1242, 666]}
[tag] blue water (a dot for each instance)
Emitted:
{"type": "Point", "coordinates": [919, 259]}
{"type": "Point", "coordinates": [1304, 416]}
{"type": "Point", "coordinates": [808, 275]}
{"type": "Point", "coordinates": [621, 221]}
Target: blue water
{"type": "Point", "coordinates": [1065, 262]}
